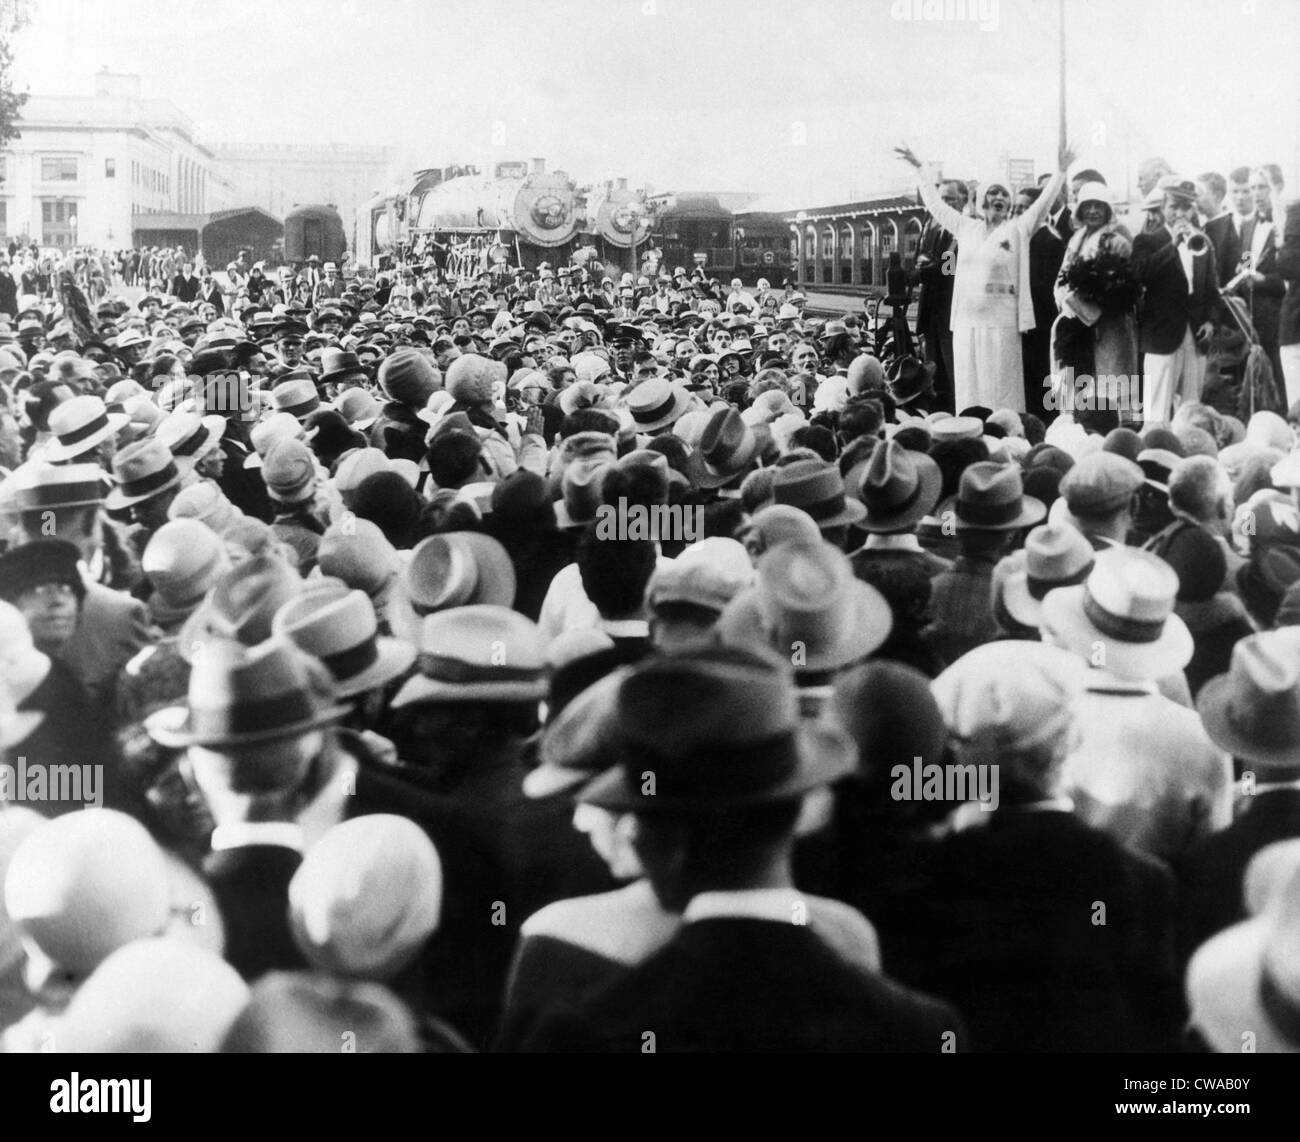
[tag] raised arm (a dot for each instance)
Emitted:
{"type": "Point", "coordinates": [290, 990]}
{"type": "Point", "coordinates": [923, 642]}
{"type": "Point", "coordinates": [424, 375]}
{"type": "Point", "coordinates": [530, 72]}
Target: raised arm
{"type": "Point", "coordinates": [940, 211]}
{"type": "Point", "coordinates": [1030, 220]}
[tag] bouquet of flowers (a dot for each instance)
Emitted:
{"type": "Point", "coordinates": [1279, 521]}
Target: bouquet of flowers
{"type": "Point", "coordinates": [1106, 280]}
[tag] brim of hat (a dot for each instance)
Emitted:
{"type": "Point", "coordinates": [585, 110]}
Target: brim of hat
{"type": "Point", "coordinates": [931, 485]}
{"type": "Point", "coordinates": [343, 374]}
{"type": "Point", "coordinates": [1223, 980]}
{"type": "Point", "coordinates": [1032, 511]}
{"type": "Point", "coordinates": [422, 689]}
{"type": "Point", "coordinates": [867, 629]}
{"type": "Point", "coordinates": [1019, 603]}
{"type": "Point", "coordinates": [825, 755]}
{"type": "Point", "coordinates": [548, 780]}
{"type": "Point", "coordinates": [209, 446]}
{"type": "Point", "coordinates": [681, 403]}
{"type": "Point", "coordinates": [58, 452]}
{"type": "Point", "coordinates": [1062, 611]}
{"type": "Point", "coordinates": [1212, 704]}
{"type": "Point", "coordinates": [171, 727]}
{"type": "Point", "coordinates": [19, 726]}
{"type": "Point", "coordinates": [566, 522]}
{"type": "Point", "coordinates": [117, 499]}
{"type": "Point", "coordinates": [395, 659]}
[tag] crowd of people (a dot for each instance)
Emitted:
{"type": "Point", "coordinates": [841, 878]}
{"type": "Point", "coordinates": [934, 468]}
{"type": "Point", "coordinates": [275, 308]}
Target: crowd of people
{"type": "Point", "coordinates": [563, 659]}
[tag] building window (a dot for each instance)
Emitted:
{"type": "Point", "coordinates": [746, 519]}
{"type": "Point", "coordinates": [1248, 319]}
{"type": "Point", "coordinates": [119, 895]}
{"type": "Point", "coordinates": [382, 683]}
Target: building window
{"type": "Point", "coordinates": [4, 218]}
{"type": "Point", "coordinates": [58, 170]}
{"type": "Point", "coordinates": [110, 168]}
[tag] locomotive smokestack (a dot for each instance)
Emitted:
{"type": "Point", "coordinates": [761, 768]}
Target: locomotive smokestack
{"type": "Point", "coordinates": [539, 166]}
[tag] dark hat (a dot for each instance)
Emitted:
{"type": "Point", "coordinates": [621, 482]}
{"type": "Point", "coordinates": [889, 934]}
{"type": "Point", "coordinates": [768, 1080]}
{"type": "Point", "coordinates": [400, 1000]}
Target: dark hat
{"type": "Point", "coordinates": [897, 487]}
{"type": "Point", "coordinates": [240, 695]}
{"type": "Point", "coordinates": [38, 562]}
{"type": "Point", "coordinates": [817, 488]}
{"type": "Point", "coordinates": [1253, 711]}
{"type": "Point", "coordinates": [716, 728]}
{"type": "Point", "coordinates": [1123, 442]}
{"type": "Point", "coordinates": [727, 449]}
{"type": "Point", "coordinates": [991, 497]}
{"type": "Point", "coordinates": [908, 379]}
{"type": "Point", "coordinates": [409, 377]}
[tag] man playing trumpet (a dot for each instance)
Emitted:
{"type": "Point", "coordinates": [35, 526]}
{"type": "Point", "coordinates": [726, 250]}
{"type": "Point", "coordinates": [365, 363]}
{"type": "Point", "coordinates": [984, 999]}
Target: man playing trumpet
{"type": "Point", "coordinates": [1175, 264]}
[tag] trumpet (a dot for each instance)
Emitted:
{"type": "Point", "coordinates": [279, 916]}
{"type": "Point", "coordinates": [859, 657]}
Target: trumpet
{"type": "Point", "coordinates": [1198, 243]}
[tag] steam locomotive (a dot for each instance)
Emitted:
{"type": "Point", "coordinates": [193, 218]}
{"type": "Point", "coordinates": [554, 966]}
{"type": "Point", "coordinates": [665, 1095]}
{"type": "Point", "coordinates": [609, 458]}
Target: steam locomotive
{"type": "Point", "coordinates": [520, 215]}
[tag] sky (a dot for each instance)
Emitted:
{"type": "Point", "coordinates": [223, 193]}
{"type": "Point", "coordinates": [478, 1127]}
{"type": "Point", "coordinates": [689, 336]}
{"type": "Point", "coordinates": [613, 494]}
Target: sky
{"type": "Point", "coordinates": [798, 100]}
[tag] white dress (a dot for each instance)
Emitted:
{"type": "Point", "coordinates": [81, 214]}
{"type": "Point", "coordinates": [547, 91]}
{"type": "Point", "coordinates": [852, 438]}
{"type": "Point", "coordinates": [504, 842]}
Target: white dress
{"type": "Point", "coordinates": [991, 305]}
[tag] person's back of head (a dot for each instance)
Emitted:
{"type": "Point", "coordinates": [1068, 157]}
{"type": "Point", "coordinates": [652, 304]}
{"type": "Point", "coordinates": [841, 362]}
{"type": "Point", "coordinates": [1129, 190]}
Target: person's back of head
{"type": "Point", "coordinates": [589, 420]}
{"type": "Point", "coordinates": [615, 573]}
{"type": "Point", "coordinates": [1200, 487]}
{"type": "Point", "coordinates": [455, 459]}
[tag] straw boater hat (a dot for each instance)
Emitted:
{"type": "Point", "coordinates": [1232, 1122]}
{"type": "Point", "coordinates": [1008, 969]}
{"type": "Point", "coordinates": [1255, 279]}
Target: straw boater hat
{"type": "Point", "coordinates": [337, 624]}
{"type": "Point", "coordinates": [39, 485]}
{"type": "Point", "coordinates": [1125, 609]}
{"type": "Point", "coordinates": [80, 425]}
{"type": "Point", "coordinates": [191, 437]}
{"type": "Point", "coordinates": [657, 403]}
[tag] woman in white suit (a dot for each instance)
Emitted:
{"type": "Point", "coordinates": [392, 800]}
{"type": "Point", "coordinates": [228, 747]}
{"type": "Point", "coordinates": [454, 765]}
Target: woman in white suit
{"type": "Point", "coordinates": [991, 302]}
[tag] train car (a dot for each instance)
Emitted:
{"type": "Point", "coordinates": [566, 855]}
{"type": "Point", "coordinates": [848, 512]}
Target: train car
{"type": "Point", "coordinates": [314, 231]}
{"type": "Point", "coordinates": [618, 224]}
{"type": "Point", "coordinates": [380, 229]}
{"type": "Point", "coordinates": [763, 247]}
{"type": "Point", "coordinates": [518, 216]}
{"type": "Point", "coordinates": [695, 230]}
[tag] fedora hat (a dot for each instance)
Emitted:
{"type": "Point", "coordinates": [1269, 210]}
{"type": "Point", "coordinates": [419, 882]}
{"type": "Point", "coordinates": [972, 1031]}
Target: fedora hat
{"type": "Point", "coordinates": [357, 407]}
{"type": "Point", "coordinates": [581, 486]}
{"type": "Point", "coordinates": [81, 424]}
{"type": "Point", "coordinates": [340, 364]}
{"type": "Point", "coordinates": [297, 396]}
{"type": "Point", "coordinates": [479, 653]}
{"type": "Point", "coordinates": [1253, 711]}
{"type": "Point", "coordinates": [1178, 187]}
{"type": "Point", "coordinates": [143, 470]}
{"type": "Point", "coordinates": [183, 560]}
{"type": "Point", "coordinates": [190, 436]}
{"type": "Point", "coordinates": [1055, 555]}
{"type": "Point", "coordinates": [1125, 609]}
{"type": "Point", "coordinates": [457, 569]}
{"type": "Point", "coordinates": [808, 604]}
{"type": "Point", "coordinates": [727, 449]}
{"type": "Point", "coordinates": [39, 485]}
{"type": "Point", "coordinates": [896, 486]}
{"type": "Point", "coordinates": [718, 728]}
{"type": "Point", "coordinates": [657, 403]}
{"type": "Point", "coordinates": [1246, 980]}
{"type": "Point", "coordinates": [337, 624]}
{"type": "Point", "coordinates": [817, 488]}
{"type": "Point", "coordinates": [991, 497]}
{"type": "Point", "coordinates": [241, 695]}
{"type": "Point", "coordinates": [242, 605]}
{"type": "Point", "coordinates": [909, 379]}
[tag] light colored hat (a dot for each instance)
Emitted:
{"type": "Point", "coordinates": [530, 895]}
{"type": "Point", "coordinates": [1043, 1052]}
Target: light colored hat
{"type": "Point", "coordinates": [80, 425]}
{"type": "Point", "coordinates": [709, 573]}
{"type": "Point", "coordinates": [1253, 711]}
{"type": "Point", "coordinates": [367, 897]}
{"type": "Point", "coordinates": [337, 624]}
{"type": "Point", "coordinates": [1006, 697]}
{"type": "Point", "coordinates": [1124, 611]}
{"type": "Point", "coordinates": [289, 471]}
{"type": "Point", "coordinates": [190, 436]}
{"type": "Point", "coordinates": [269, 432]}
{"type": "Point", "coordinates": [1243, 985]}
{"type": "Point", "coordinates": [1055, 555]}
{"type": "Point", "coordinates": [358, 408]}
{"type": "Point", "coordinates": [657, 403]}
{"type": "Point", "coordinates": [143, 470]}
{"type": "Point", "coordinates": [86, 884]}
{"type": "Point", "coordinates": [153, 995]}
{"type": "Point", "coordinates": [356, 466]}
{"type": "Point", "coordinates": [183, 560]}
{"type": "Point", "coordinates": [205, 502]}
{"type": "Point", "coordinates": [479, 653]}
{"type": "Point", "coordinates": [808, 603]}
{"type": "Point", "coordinates": [457, 569]}
{"type": "Point", "coordinates": [298, 397]}
{"type": "Point", "coordinates": [17, 823]}
{"type": "Point", "coordinates": [37, 485]}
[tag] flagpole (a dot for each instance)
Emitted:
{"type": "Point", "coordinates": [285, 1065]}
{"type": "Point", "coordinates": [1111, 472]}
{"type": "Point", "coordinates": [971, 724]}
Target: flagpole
{"type": "Point", "coordinates": [1061, 132]}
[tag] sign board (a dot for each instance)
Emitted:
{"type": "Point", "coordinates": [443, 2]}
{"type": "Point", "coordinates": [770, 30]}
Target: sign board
{"type": "Point", "coordinates": [769, 258]}
{"type": "Point", "coordinates": [1020, 172]}
{"type": "Point", "coordinates": [701, 258]}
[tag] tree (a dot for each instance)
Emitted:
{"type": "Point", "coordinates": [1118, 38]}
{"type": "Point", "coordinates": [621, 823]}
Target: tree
{"type": "Point", "coordinates": [14, 15]}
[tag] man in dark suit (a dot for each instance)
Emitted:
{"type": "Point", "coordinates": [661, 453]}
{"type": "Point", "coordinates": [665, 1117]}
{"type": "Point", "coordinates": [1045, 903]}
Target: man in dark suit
{"type": "Point", "coordinates": [1046, 253]}
{"type": "Point", "coordinates": [935, 270]}
{"type": "Point", "coordinates": [716, 764]}
{"type": "Point", "coordinates": [1047, 934]}
{"type": "Point", "coordinates": [185, 286]}
{"type": "Point", "coordinates": [1219, 223]}
{"type": "Point", "coordinates": [1175, 264]}
{"type": "Point", "coordinates": [1263, 287]}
